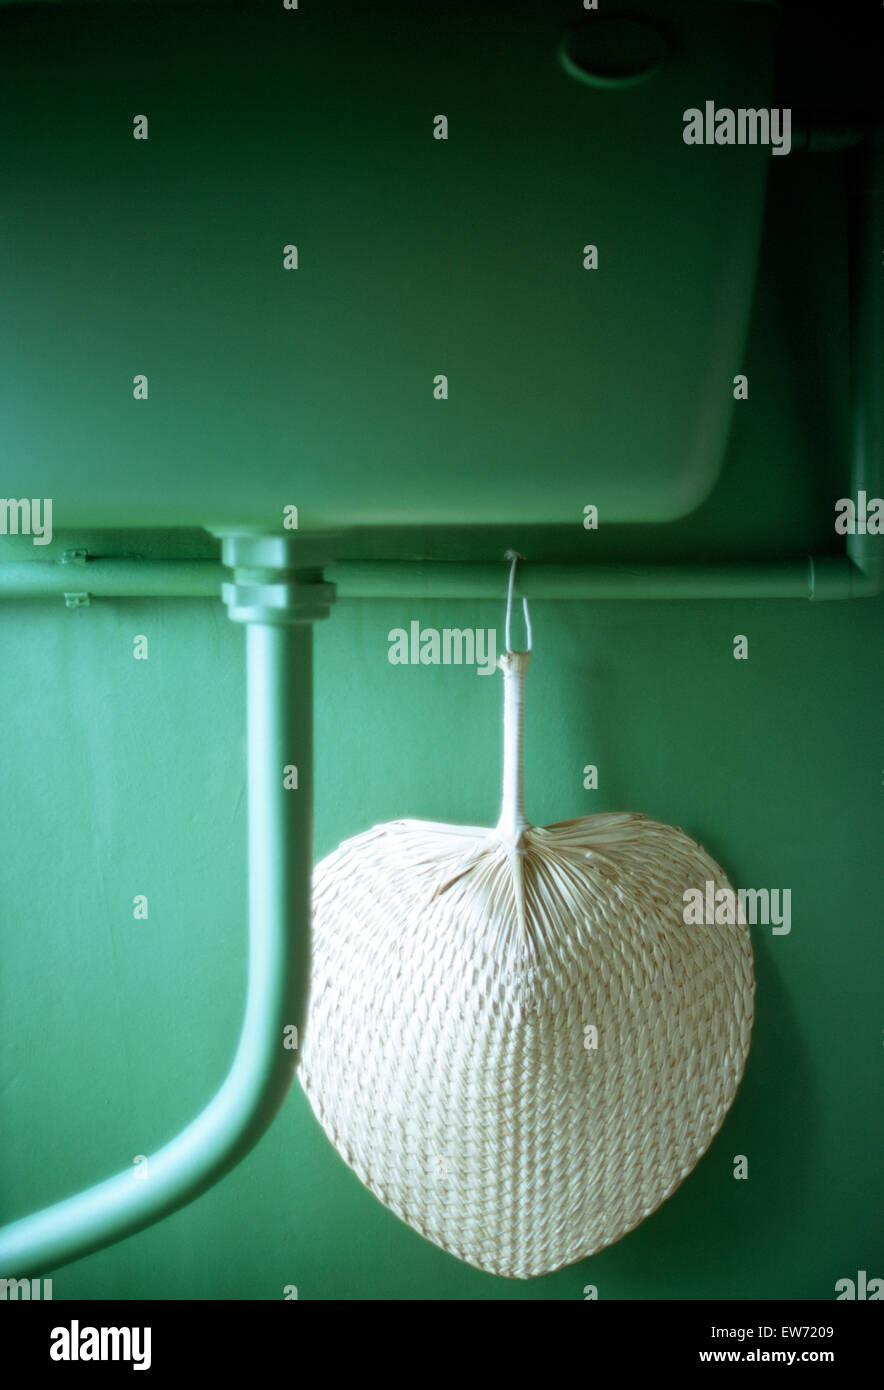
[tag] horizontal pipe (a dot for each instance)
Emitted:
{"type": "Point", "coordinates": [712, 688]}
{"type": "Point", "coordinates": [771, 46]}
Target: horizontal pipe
{"type": "Point", "coordinates": [279, 719]}
{"type": "Point", "coordinates": [112, 578]}
{"type": "Point", "coordinates": [826, 577]}
{"type": "Point", "coordinates": [415, 579]}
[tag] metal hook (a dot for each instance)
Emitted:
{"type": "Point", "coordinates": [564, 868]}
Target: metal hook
{"type": "Point", "coordinates": [515, 557]}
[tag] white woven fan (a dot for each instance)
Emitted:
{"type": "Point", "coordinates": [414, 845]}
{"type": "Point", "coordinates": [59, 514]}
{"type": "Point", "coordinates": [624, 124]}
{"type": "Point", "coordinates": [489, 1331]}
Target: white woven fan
{"type": "Point", "coordinates": [514, 1039]}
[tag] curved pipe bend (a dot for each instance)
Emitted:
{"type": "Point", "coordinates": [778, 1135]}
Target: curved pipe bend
{"type": "Point", "coordinates": [279, 667]}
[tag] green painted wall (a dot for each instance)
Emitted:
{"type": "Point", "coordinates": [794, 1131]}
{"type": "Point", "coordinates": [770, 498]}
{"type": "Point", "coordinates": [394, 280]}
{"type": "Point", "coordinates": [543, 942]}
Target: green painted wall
{"type": "Point", "coordinates": [122, 777]}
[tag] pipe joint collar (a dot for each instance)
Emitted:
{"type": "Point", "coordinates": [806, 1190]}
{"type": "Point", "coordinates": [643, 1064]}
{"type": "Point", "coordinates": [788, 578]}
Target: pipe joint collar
{"type": "Point", "coordinates": [277, 579]}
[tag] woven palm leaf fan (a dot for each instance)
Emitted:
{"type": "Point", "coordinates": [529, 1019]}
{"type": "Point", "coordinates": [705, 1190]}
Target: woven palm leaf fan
{"type": "Point", "coordinates": [514, 1039]}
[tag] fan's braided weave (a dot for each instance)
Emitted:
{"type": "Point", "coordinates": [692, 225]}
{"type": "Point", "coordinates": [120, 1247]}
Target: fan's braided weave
{"type": "Point", "coordinates": [448, 1054]}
